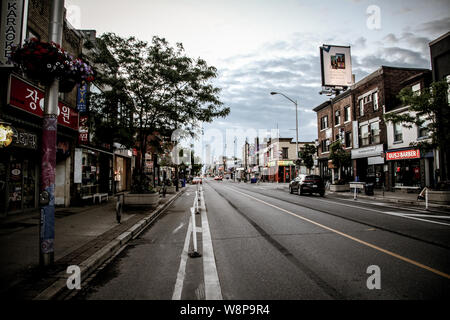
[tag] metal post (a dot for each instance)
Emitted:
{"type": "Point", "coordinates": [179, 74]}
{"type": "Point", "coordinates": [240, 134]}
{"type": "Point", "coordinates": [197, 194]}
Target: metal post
{"type": "Point", "coordinates": [296, 128]}
{"type": "Point", "coordinates": [426, 198]}
{"type": "Point", "coordinates": [49, 136]}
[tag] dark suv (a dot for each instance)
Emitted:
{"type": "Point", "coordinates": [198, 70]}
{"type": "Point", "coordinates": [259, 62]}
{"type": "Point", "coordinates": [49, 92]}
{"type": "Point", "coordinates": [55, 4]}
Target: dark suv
{"type": "Point", "coordinates": [307, 184]}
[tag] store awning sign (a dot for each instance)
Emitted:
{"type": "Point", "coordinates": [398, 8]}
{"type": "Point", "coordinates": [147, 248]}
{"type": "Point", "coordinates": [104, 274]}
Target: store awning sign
{"type": "Point", "coordinates": [31, 99]}
{"type": "Point", "coordinates": [403, 155]}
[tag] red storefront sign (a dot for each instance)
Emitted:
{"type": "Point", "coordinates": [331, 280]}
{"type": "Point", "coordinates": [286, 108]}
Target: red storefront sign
{"type": "Point", "coordinates": [83, 132]}
{"type": "Point", "coordinates": [31, 99]}
{"type": "Point", "coordinates": [403, 155]}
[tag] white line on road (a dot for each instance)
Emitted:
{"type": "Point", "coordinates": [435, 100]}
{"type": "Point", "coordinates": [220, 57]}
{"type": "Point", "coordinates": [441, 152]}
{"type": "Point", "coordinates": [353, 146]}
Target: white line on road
{"type": "Point", "coordinates": [178, 228]}
{"type": "Point", "coordinates": [182, 269]}
{"type": "Point", "coordinates": [212, 283]}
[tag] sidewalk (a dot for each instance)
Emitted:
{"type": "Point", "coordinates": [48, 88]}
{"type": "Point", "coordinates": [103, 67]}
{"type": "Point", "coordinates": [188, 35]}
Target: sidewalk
{"type": "Point", "coordinates": [84, 236]}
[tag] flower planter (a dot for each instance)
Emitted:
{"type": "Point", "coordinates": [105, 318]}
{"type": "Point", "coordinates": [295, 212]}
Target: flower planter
{"type": "Point", "coordinates": [144, 199]}
{"type": "Point", "coordinates": [340, 187]}
{"type": "Point", "coordinates": [440, 197]}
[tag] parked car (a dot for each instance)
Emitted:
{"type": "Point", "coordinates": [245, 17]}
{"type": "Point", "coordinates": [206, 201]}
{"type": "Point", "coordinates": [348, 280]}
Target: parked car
{"type": "Point", "coordinates": [197, 180]}
{"type": "Point", "coordinates": [307, 184]}
{"type": "Point", "coordinates": [218, 178]}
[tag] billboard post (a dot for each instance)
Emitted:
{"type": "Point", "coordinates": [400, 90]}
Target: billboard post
{"type": "Point", "coordinates": [336, 67]}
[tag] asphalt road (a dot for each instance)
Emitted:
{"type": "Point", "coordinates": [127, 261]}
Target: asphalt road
{"type": "Point", "coordinates": [259, 243]}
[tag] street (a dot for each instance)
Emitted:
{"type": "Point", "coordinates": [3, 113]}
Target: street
{"type": "Point", "coordinates": [259, 242]}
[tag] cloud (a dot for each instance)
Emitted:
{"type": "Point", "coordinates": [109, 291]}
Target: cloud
{"type": "Point", "coordinates": [435, 27]}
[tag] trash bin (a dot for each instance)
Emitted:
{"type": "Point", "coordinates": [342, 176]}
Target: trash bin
{"type": "Point", "coordinates": [183, 183]}
{"type": "Point", "coordinates": [369, 189]}
{"type": "Point", "coordinates": [254, 180]}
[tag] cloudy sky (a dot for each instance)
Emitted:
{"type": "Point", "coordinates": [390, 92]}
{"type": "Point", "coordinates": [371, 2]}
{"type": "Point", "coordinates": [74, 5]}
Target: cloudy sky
{"type": "Point", "coordinates": [260, 46]}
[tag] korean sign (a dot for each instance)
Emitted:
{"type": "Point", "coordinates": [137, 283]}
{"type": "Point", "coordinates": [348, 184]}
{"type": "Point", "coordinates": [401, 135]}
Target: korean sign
{"type": "Point", "coordinates": [31, 99]}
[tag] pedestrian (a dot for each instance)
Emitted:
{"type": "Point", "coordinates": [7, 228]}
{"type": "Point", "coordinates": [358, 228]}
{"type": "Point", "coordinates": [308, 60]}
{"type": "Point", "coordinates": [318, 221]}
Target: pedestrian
{"type": "Point", "coordinates": [164, 189]}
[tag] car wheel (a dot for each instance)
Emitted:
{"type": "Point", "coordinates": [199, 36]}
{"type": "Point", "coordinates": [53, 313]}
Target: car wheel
{"type": "Point", "coordinates": [290, 190]}
{"type": "Point", "coordinates": [322, 193]}
{"type": "Point", "coordinates": [299, 191]}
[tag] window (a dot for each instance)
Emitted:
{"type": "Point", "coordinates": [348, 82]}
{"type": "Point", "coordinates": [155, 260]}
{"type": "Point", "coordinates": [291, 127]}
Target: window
{"type": "Point", "coordinates": [31, 34]}
{"type": "Point", "coordinates": [448, 95]}
{"type": "Point", "coordinates": [348, 139]}
{"type": "Point", "coordinates": [375, 133]}
{"type": "Point", "coordinates": [337, 118]}
{"type": "Point", "coordinates": [361, 107]}
{"type": "Point", "coordinates": [347, 116]}
{"type": "Point", "coordinates": [423, 131]}
{"type": "Point", "coordinates": [398, 136]}
{"type": "Point", "coordinates": [375, 101]}
{"type": "Point", "coordinates": [416, 89]}
{"type": "Point", "coordinates": [325, 145]}
{"type": "Point", "coordinates": [364, 133]}
{"type": "Point", "coordinates": [285, 153]}
{"type": "Point", "coordinates": [324, 123]}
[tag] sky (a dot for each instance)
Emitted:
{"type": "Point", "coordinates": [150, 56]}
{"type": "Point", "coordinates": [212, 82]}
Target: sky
{"type": "Point", "coordinates": [260, 46]}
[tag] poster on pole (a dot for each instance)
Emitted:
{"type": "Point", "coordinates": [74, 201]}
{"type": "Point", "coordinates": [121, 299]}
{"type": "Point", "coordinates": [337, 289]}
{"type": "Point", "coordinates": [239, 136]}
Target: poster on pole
{"type": "Point", "coordinates": [336, 63]}
{"type": "Point", "coordinates": [13, 22]}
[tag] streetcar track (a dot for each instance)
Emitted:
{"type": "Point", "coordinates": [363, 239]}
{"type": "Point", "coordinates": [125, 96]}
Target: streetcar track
{"type": "Point", "coordinates": [331, 291]}
{"type": "Point", "coordinates": [354, 220]}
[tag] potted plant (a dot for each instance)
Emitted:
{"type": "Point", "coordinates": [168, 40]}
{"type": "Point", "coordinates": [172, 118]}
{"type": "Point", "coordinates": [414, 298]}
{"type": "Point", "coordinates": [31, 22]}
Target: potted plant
{"type": "Point", "coordinates": [340, 185]}
{"type": "Point", "coordinates": [142, 193]}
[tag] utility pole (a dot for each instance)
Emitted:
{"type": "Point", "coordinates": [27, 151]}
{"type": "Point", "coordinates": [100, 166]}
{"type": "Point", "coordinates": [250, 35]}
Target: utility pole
{"type": "Point", "coordinates": [49, 136]}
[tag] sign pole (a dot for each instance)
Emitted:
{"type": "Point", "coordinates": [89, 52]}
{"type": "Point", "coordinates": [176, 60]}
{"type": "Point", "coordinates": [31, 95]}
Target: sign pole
{"type": "Point", "coordinates": [49, 137]}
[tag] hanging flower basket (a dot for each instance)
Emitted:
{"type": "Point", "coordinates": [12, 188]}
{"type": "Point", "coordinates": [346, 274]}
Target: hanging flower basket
{"type": "Point", "coordinates": [44, 62]}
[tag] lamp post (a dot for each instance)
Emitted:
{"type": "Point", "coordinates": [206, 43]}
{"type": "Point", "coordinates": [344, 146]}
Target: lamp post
{"type": "Point", "coordinates": [296, 122]}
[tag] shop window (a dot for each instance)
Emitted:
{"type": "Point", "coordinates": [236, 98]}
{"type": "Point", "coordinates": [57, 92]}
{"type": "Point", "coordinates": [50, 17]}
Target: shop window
{"type": "Point", "coordinates": [398, 135]}
{"type": "Point", "coordinates": [375, 133]}
{"type": "Point", "coordinates": [364, 134]}
{"type": "Point", "coordinates": [347, 116]}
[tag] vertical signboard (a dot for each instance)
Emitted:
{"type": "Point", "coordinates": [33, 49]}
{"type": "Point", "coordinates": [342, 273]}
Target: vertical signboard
{"type": "Point", "coordinates": [13, 24]}
{"type": "Point", "coordinates": [355, 129]}
{"type": "Point", "coordinates": [81, 97]}
{"type": "Point", "coordinates": [77, 168]}
{"type": "Point", "coordinates": [336, 62]}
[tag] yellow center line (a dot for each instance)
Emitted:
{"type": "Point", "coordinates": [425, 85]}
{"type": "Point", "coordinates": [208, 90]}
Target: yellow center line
{"type": "Point", "coordinates": [393, 254]}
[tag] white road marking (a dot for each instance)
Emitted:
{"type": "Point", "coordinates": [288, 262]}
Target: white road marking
{"type": "Point", "coordinates": [211, 278]}
{"type": "Point", "coordinates": [182, 269]}
{"type": "Point", "coordinates": [401, 215]}
{"type": "Point", "coordinates": [178, 228]}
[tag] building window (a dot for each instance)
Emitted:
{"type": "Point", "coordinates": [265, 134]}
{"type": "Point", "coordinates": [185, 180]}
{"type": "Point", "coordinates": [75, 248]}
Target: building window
{"type": "Point", "coordinates": [361, 107]}
{"type": "Point", "coordinates": [398, 136]}
{"type": "Point", "coordinates": [325, 145]}
{"type": "Point", "coordinates": [348, 139]}
{"type": "Point", "coordinates": [375, 133]}
{"type": "Point", "coordinates": [364, 135]}
{"type": "Point", "coordinates": [423, 131]}
{"type": "Point", "coordinates": [285, 153]}
{"type": "Point", "coordinates": [416, 89]}
{"type": "Point", "coordinates": [375, 101]}
{"type": "Point", "coordinates": [347, 114]}
{"type": "Point", "coordinates": [324, 123]}
{"type": "Point", "coordinates": [337, 118]}
{"type": "Point", "coordinates": [31, 34]}
{"type": "Point", "coordinates": [448, 92]}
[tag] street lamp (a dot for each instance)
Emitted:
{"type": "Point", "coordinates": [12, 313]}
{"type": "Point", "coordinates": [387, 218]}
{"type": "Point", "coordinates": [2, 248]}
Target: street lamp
{"type": "Point", "coordinates": [296, 120]}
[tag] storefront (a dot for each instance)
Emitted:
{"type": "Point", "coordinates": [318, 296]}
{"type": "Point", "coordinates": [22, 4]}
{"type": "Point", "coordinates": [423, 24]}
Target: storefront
{"type": "Point", "coordinates": [281, 171]}
{"type": "Point", "coordinates": [369, 165]}
{"type": "Point", "coordinates": [123, 169]}
{"type": "Point", "coordinates": [409, 168]}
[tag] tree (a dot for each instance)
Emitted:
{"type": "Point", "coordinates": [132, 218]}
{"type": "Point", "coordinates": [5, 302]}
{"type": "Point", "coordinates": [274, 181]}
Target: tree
{"type": "Point", "coordinates": [161, 88]}
{"type": "Point", "coordinates": [339, 157]}
{"type": "Point", "coordinates": [430, 109]}
{"type": "Point", "coordinates": [306, 155]}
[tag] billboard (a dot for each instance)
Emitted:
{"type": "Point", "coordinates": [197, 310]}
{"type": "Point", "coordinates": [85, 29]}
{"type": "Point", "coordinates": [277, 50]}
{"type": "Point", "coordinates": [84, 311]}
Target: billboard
{"type": "Point", "coordinates": [336, 63]}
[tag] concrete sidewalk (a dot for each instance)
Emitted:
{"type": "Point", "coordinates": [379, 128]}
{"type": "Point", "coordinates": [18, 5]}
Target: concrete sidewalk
{"type": "Point", "coordinates": [84, 236]}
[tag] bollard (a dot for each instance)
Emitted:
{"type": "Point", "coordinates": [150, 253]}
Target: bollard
{"type": "Point", "coordinates": [354, 195]}
{"type": "Point", "coordinates": [426, 199]}
{"type": "Point", "coordinates": [195, 253]}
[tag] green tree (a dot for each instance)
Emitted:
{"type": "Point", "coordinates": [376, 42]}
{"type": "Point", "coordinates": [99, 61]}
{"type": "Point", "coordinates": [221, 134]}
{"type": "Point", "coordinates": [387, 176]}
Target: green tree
{"type": "Point", "coordinates": [307, 153]}
{"type": "Point", "coordinates": [430, 109]}
{"type": "Point", "coordinates": [161, 88]}
{"type": "Point", "coordinates": [339, 157]}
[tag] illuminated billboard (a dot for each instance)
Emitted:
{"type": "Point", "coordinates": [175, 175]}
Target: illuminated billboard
{"type": "Point", "coordinates": [336, 65]}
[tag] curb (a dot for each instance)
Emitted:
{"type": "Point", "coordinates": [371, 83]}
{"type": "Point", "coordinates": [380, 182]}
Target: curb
{"type": "Point", "coordinates": [89, 265]}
